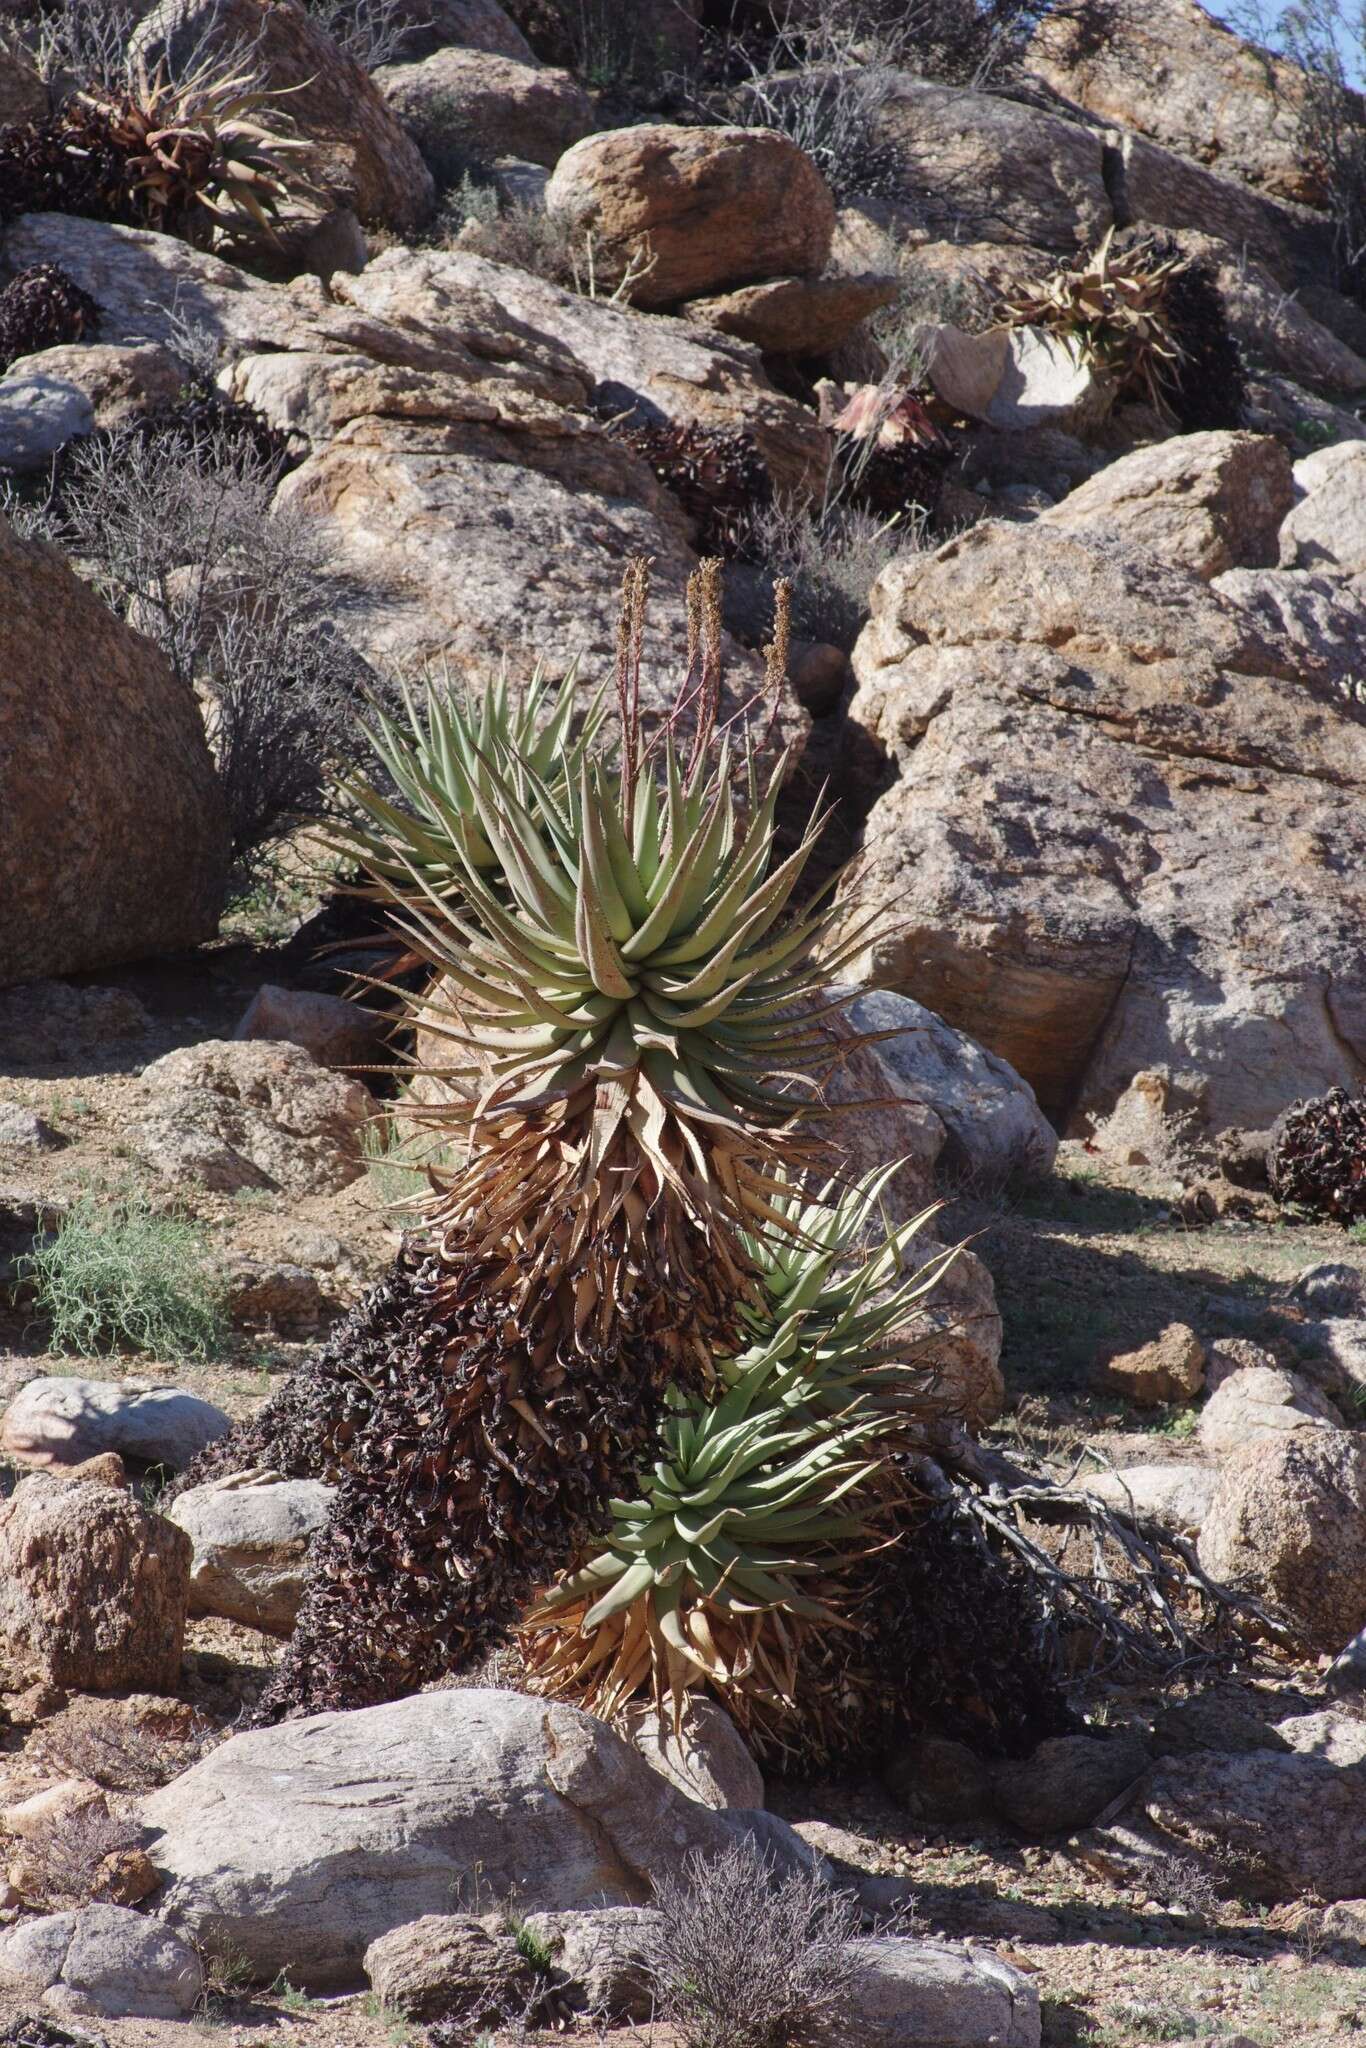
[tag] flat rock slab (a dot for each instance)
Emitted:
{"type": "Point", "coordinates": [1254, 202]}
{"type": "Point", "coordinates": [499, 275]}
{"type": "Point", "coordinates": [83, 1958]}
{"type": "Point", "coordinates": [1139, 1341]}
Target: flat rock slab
{"type": "Point", "coordinates": [301, 1845]}
{"type": "Point", "coordinates": [66, 1421]}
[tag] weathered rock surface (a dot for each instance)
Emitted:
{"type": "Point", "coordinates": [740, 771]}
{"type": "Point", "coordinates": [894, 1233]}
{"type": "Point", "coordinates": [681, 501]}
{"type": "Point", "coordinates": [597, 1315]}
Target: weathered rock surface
{"type": "Point", "coordinates": [960, 1328]}
{"type": "Point", "coordinates": [1169, 1369]}
{"type": "Point", "coordinates": [982, 168]}
{"type": "Point", "coordinates": [1068, 1781]}
{"type": "Point", "coordinates": [449, 1966]}
{"type": "Point", "coordinates": [1168, 69]}
{"type": "Point", "coordinates": [251, 1535]}
{"type": "Point", "coordinates": [796, 316]}
{"type": "Point", "coordinates": [1155, 188]}
{"type": "Point", "coordinates": [146, 284]}
{"type": "Point", "coordinates": [331, 1030]}
{"type": "Point", "coordinates": [589, 353]}
{"type": "Point", "coordinates": [1203, 502]}
{"type": "Point", "coordinates": [1320, 620]}
{"type": "Point", "coordinates": [1331, 1287]}
{"type": "Point", "coordinates": [705, 1758]}
{"type": "Point", "coordinates": [39, 414]}
{"type": "Point", "coordinates": [1289, 1523]}
{"type": "Point", "coordinates": [1271, 325]}
{"type": "Point", "coordinates": [115, 840]}
{"type": "Point", "coordinates": [1338, 1368]}
{"type": "Point", "coordinates": [431, 386]}
{"type": "Point", "coordinates": [1347, 1672]}
{"type": "Point", "coordinates": [1014, 378]}
{"type": "Point", "coordinates": [468, 103]}
{"type": "Point", "coordinates": [601, 1954]}
{"type": "Point", "coordinates": [303, 1844]}
{"type": "Point", "coordinates": [52, 1020]}
{"type": "Point", "coordinates": [361, 152]}
{"type": "Point", "coordinates": [103, 1961]}
{"type": "Point", "coordinates": [1287, 1824]}
{"type": "Point", "coordinates": [1262, 1401]}
{"type": "Point", "coordinates": [1176, 1496]}
{"type": "Point", "coordinates": [1191, 904]}
{"type": "Point", "coordinates": [713, 207]}
{"type": "Point", "coordinates": [23, 1130]}
{"type": "Point", "coordinates": [93, 1588]}
{"type": "Point", "coordinates": [1327, 527]}
{"type": "Point", "coordinates": [65, 1421]}
{"type": "Point", "coordinates": [23, 95]}
{"type": "Point", "coordinates": [474, 24]}
{"type": "Point", "coordinates": [994, 1129]}
{"type": "Point", "coordinates": [119, 383]}
{"type": "Point", "coordinates": [909, 1994]}
{"type": "Point", "coordinates": [251, 1114]}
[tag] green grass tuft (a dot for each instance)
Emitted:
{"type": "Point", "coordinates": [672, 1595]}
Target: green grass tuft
{"type": "Point", "coordinates": [123, 1278]}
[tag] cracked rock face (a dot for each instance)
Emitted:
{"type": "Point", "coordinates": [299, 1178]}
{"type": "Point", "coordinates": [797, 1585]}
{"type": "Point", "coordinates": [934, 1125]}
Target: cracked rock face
{"type": "Point", "coordinates": [1120, 813]}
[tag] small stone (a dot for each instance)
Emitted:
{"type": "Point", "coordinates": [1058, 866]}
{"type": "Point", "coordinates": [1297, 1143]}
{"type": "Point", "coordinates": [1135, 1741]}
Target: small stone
{"type": "Point", "coordinates": [910, 1993]}
{"type": "Point", "coordinates": [271, 1294]}
{"type": "Point", "coordinates": [483, 105]}
{"type": "Point", "coordinates": [820, 674]}
{"type": "Point", "coordinates": [251, 1535]}
{"type": "Point", "coordinates": [1289, 1523]}
{"type": "Point", "coordinates": [1331, 1288]}
{"type": "Point", "coordinates": [601, 1957]}
{"type": "Point", "coordinates": [335, 1032]}
{"type": "Point", "coordinates": [1175, 1496]}
{"type": "Point", "coordinates": [704, 208]}
{"type": "Point", "coordinates": [125, 1878]}
{"type": "Point", "coordinates": [796, 316]}
{"type": "Point", "coordinates": [1169, 1370]}
{"type": "Point", "coordinates": [101, 1961]}
{"type": "Point", "coordinates": [106, 1468]}
{"type": "Point", "coordinates": [938, 1780]}
{"type": "Point", "coordinates": [38, 416]}
{"type": "Point", "coordinates": [1068, 1781]}
{"type": "Point", "coordinates": [122, 384]}
{"type": "Point", "coordinates": [1347, 1672]}
{"type": "Point", "coordinates": [1262, 1401]}
{"type": "Point", "coordinates": [1014, 378]}
{"type": "Point", "coordinates": [1242, 1157]}
{"type": "Point", "coordinates": [447, 1967]}
{"type": "Point", "coordinates": [1235, 1354]}
{"type": "Point", "coordinates": [25, 1131]}
{"type": "Point", "coordinates": [257, 1113]}
{"type": "Point", "coordinates": [34, 1704]}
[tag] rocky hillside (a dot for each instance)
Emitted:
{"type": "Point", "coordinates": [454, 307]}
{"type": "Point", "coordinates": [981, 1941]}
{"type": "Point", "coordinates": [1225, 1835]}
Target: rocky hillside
{"type": "Point", "coordinates": [1012, 360]}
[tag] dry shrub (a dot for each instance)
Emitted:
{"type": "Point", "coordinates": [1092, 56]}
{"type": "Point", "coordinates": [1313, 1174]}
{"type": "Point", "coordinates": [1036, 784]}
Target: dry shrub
{"type": "Point", "coordinates": [73, 1855]}
{"type": "Point", "coordinates": [742, 1959]}
{"type": "Point", "coordinates": [176, 521]}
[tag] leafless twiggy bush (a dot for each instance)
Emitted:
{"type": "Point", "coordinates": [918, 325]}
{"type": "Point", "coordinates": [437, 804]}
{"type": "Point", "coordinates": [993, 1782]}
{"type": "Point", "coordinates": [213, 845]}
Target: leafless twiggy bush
{"type": "Point", "coordinates": [1327, 39]}
{"type": "Point", "coordinates": [64, 1859]}
{"type": "Point", "coordinates": [744, 1960]}
{"type": "Point", "coordinates": [832, 549]}
{"type": "Point", "coordinates": [183, 537]}
{"type": "Point", "coordinates": [83, 39]}
{"type": "Point", "coordinates": [374, 32]}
